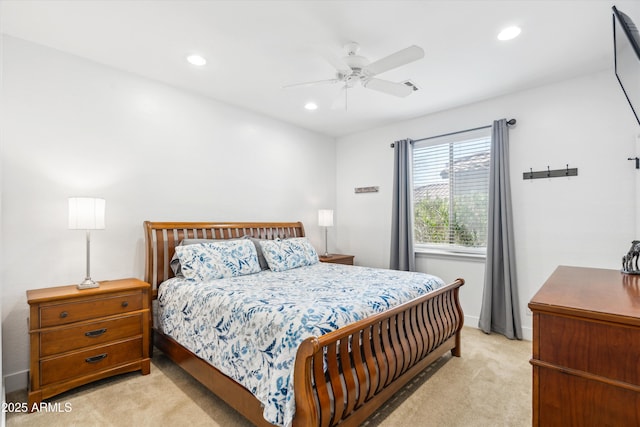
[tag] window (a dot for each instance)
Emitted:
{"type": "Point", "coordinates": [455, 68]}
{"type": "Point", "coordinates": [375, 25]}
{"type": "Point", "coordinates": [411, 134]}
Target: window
{"type": "Point", "coordinates": [451, 191]}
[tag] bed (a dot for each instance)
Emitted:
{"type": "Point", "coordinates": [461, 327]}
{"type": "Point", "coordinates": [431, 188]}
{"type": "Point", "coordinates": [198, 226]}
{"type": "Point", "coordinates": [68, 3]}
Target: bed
{"type": "Point", "coordinates": [338, 377]}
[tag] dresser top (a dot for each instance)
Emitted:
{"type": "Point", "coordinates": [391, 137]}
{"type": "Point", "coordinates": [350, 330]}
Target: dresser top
{"type": "Point", "coordinates": [592, 293]}
{"type": "Point", "coordinates": [71, 291]}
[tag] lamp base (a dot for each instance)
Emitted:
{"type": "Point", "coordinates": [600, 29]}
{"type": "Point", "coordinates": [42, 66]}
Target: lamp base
{"type": "Point", "coordinates": [88, 284]}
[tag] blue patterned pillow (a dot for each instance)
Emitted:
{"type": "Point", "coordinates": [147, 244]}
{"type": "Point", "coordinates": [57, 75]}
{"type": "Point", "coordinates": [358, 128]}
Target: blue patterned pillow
{"type": "Point", "coordinates": [175, 261]}
{"type": "Point", "coordinates": [286, 254]}
{"type": "Point", "coordinates": [218, 259]}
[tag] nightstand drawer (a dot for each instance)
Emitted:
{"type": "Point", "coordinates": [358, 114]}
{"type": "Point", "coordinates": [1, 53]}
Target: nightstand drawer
{"type": "Point", "coordinates": [345, 261]}
{"type": "Point", "coordinates": [61, 314]}
{"type": "Point", "coordinates": [337, 259]}
{"type": "Point", "coordinates": [89, 361]}
{"type": "Point", "coordinates": [89, 334]}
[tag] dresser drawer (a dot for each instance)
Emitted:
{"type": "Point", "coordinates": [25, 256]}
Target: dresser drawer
{"type": "Point", "coordinates": [570, 400]}
{"type": "Point", "coordinates": [69, 312]}
{"type": "Point", "coordinates": [600, 348]}
{"type": "Point", "coordinates": [89, 334]}
{"type": "Point", "coordinates": [89, 361]}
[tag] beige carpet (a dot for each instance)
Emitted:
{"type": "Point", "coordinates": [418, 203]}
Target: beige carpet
{"type": "Point", "coordinates": [490, 385]}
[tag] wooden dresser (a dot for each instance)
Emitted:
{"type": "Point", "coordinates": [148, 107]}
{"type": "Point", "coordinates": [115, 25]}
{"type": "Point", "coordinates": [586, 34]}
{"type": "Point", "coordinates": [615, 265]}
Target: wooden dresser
{"type": "Point", "coordinates": [79, 336]}
{"type": "Point", "coordinates": [586, 349]}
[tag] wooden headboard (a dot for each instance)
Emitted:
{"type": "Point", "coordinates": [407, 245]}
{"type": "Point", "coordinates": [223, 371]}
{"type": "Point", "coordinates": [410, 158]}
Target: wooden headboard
{"type": "Point", "coordinates": [161, 238]}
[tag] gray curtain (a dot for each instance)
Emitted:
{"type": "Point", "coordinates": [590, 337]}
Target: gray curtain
{"type": "Point", "coordinates": [500, 310]}
{"type": "Point", "coordinates": [402, 255]}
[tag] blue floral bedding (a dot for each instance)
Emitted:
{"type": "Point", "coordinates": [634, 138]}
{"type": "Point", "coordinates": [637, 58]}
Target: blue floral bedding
{"type": "Point", "coordinates": [249, 327]}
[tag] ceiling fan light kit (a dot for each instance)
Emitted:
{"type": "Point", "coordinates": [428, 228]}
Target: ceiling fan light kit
{"type": "Point", "coordinates": [354, 68]}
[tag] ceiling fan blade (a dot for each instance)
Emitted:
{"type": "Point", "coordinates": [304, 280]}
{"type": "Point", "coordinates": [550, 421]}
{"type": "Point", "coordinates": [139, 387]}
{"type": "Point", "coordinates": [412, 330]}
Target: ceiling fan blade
{"type": "Point", "coordinates": [385, 86]}
{"type": "Point", "coordinates": [401, 57]}
{"type": "Point", "coordinates": [312, 83]}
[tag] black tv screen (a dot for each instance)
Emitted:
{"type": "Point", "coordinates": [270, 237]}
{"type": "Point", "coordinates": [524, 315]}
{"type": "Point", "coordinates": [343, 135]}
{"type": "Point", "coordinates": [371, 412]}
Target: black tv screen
{"type": "Point", "coordinates": [626, 41]}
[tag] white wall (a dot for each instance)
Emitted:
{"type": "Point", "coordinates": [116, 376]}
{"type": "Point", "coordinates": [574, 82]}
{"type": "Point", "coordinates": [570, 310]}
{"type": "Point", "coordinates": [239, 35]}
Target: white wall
{"type": "Point", "coordinates": [74, 127]}
{"type": "Point", "coordinates": [588, 220]}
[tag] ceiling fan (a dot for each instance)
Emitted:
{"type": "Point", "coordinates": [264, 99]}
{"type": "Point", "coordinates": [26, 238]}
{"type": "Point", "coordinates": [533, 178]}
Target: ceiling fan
{"type": "Point", "coordinates": [354, 68]}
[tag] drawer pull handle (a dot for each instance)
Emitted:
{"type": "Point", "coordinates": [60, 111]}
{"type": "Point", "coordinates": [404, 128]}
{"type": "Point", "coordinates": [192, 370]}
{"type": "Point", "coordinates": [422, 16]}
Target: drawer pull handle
{"type": "Point", "coordinates": [63, 314]}
{"type": "Point", "coordinates": [125, 304]}
{"type": "Point", "coordinates": [96, 333]}
{"type": "Point", "coordinates": [95, 359]}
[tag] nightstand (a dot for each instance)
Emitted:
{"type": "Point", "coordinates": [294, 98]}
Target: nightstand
{"type": "Point", "coordinates": [80, 336]}
{"type": "Point", "coordinates": [337, 259]}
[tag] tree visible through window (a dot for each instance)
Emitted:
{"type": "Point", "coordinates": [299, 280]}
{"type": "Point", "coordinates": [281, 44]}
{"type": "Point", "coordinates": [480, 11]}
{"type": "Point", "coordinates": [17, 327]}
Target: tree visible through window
{"type": "Point", "coordinates": [451, 189]}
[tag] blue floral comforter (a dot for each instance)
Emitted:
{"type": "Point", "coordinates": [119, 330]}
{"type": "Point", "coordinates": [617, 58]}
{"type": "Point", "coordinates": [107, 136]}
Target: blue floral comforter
{"type": "Point", "coordinates": [249, 327]}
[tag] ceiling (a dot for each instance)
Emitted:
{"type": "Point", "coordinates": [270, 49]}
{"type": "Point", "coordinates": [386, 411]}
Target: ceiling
{"type": "Point", "coordinates": [253, 48]}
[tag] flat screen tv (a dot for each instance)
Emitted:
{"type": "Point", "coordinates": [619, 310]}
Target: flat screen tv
{"type": "Point", "coordinates": [626, 41]}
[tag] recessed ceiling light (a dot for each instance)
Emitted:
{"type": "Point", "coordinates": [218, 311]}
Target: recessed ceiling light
{"type": "Point", "coordinates": [311, 106]}
{"type": "Point", "coordinates": [509, 33]}
{"type": "Point", "coordinates": [196, 60]}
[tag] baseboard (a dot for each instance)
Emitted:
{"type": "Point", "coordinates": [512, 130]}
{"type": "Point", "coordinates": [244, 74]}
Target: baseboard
{"type": "Point", "coordinates": [16, 381]}
{"type": "Point", "coordinates": [472, 322]}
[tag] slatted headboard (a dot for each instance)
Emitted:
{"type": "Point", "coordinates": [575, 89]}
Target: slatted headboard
{"type": "Point", "coordinates": [162, 238]}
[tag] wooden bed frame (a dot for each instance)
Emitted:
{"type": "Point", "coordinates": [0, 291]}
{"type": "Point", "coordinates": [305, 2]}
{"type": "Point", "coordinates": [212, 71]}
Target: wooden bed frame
{"type": "Point", "coordinates": [341, 377]}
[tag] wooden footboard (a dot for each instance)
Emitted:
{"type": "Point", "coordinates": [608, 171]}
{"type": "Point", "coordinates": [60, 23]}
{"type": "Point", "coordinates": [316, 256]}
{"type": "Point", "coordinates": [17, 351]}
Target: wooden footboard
{"type": "Point", "coordinates": [344, 376]}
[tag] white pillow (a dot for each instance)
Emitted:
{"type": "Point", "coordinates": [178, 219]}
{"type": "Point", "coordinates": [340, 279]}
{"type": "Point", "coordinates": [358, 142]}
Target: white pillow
{"type": "Point", "coordinates": [218, 259]}
{"type": "Point", "coordinates": [286, 254]}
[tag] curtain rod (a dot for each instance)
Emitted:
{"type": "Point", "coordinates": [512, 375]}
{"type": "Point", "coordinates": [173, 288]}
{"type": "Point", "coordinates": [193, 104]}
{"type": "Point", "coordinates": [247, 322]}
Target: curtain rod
{"type": "Point", "coordinates": [510, 122]}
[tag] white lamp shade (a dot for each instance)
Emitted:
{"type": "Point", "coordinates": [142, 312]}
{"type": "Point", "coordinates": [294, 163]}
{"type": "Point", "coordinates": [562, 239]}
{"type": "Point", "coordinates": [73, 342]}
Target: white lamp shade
{"type": "Point", "coordinates": [325, 218]}
{"type": "Point", "coordinates": [86, 213]}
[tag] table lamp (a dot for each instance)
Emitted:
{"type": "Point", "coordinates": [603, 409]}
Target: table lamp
{"type": "Point", "coordinates": [325, 219]}
{"type": "Point", "coordinates": [87, 213]}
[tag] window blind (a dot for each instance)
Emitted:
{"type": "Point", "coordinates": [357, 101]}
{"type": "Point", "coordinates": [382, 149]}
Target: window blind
{"type": "Point", "coordinates": [451, 189]}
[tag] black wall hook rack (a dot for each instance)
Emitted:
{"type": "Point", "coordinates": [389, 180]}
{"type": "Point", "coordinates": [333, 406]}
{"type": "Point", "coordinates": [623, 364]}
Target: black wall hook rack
{"type": "Point", "coordinates": [555, 173]}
